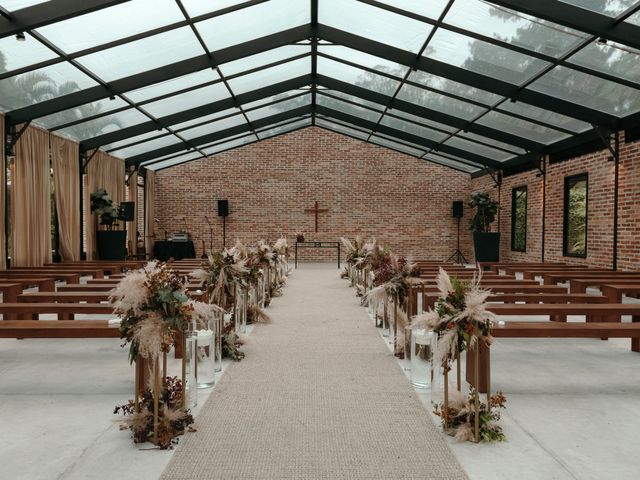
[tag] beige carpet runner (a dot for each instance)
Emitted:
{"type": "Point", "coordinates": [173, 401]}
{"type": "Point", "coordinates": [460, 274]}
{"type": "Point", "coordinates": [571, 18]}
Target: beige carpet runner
{"type": "Point", "coordinates": [318, 396]}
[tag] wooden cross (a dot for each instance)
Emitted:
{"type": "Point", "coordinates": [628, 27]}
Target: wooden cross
{"type": "Point", "coordinates": [316, 210]}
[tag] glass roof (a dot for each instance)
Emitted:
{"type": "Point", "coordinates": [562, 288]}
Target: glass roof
{"type": "Point", "coordinates": [142, 78]}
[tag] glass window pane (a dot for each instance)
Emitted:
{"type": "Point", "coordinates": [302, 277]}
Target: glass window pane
{"type": "Point", "coordinates": [513, 27]}
{"type": "Point", "coordinates": [42, 84]}
{"type": "Point", "coordinates": [594, 92]}
{"type": "Point", "coordinates": [612, 8]}
{"type": "Point", "coordinates": [264, 58]}
{"type": "Point", "coordinates": [279, 107]}
{"type": "Point", "coordinates": [145, 54]}
{"type": "Point", "coordinates": [348, 108]}
{"type": "Point", "coordinates": [634, 19]}
{"type": "Point", "coordinates": [175, 160]}
{"type": "Point", "coordinates": [113, 23]}
{"type": "Point", "coordinates": [206, 118]}
{"type": "Point", "coordinates": [13, 5]}
{"type": "Point", "coordinates": [454, 88]}
{"type": "Point", "coordinates": [171, 86]}
{"type": "Point", "coordinates": [185, 101]}
{"type": "Point", "coordinates": [413, 129]}
{"type": "Point", "coordinates": [274, 98]}
{"type": "Point", "coordinates": [441, 126]}
{"type": "Point", "coordinates": [269, 76]}
{"type": "Point", "coordinates": [353, 98]}
{"type": "Point", "coordinates": [521, 128]}
{"type": "Point", "coordinates": [575, 215]}
{"type": "Point", "coordinates": [212, 127]}
{"type": "Point", "coordinates": [482, 57]}
{"type": "Point", "coordinates": [283, 129]}
{"type": "Point", "coordinates": [478, 149]}
{"type": "Point", "coordinates": [491, 141]}
{"type": "Point", "coordinates": [364, 59]}
{"type": "Point", "coordinates": [106, 124]}
{"type": "Point", "coordinates": [438, 102]}
{"type": "Point", "coordinates": [83, 111]}
{"type": "Point", "coordinates": [199, 7]}
{"type": "Point", "coordinates": [546, 116]}
{"type": "Point", "coordinates": [147, 146]}
{"type": "Point", "coordinates": [519, 219]}
{"type": "Point", "coordinates": [14, 54]}
{"type": "Point", "coordinates": [431, 8]}
{"type": "Point", "coordinates": [230, 144]}
{"type": "Point", "coordinates": [396, 146]}
{"type": "Point", "coordinates": [340, 128]}
{"type": "Point", "coordinates": [253, 22]}
{"type": "Point", "coordinates": [357, 76]}
{"type": "Point", "coordinates": [449, 163]}
{"type": "Point", "coordinates": [135, 139]}
{"type": "Point", "coordinates": [374, 23]}
{"type": "Point", "coordinates": [610, 57]}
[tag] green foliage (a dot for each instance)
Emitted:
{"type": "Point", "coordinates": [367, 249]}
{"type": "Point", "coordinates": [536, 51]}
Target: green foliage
{"type": "Point", "coordinates": [520, 220]}
{"type": "Point", "coordinates": [485, 214]}
{"type": "Point", "coordinates": [576, 234]}
{"type": "Point", "coordinates": [102, 205]}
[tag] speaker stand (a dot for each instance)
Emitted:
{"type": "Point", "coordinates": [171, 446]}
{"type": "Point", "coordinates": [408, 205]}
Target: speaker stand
{"type": "Point", "coordinates": [457, 256]}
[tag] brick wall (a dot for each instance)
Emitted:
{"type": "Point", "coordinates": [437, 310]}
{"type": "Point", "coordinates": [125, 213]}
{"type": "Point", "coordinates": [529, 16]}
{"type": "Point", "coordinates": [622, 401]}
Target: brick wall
{"type": "Point", "coordinates": [600, 209]}
{"type": "Point", "coordinates": [369, 190]}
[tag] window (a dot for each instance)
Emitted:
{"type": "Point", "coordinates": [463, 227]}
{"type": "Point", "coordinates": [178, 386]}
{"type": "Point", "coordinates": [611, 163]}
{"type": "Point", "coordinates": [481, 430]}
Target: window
{"type": "Point", "coordinates": [519, 219]}
{"type": "Point", "coordinates": [576, 189]}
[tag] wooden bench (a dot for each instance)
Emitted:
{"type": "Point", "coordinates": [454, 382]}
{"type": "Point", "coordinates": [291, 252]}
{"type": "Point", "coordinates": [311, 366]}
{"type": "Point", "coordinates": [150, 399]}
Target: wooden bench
{"type": "Point", "coordinates": [581, 285]}
{"type": "Point", "coordinates": [58, 329]}
{"type": "Point", "coordinates": [61, 310]}
{"type": "Point", "coordinates": [548, 330]}
{"type": "Point", "coordinates": [553, 278]}
{"type": "Point", "coordinates": [56, 271]}
{"type": "Point", "coordinates": [497, 266]}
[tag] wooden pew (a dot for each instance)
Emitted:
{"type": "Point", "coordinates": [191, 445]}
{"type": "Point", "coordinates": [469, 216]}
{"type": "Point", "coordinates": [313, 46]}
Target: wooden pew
{"type": "Point", "coordinates": [58, 329]}
{"type": "Point", "coordinates": [22, 309]}
{"type": "Point", "coordinates": [553, 278]}
{"type": "Point", "coordinates": [580, 285]}
{"type": "Point", "coordinates": [497, 266]}
{"type": "Point", "coordinates": [9, 275]}
{"type": "Point", "coordinates": [548, 330]}
{"type": "Point", "coordinates": [531, 273]}
{"type": "Point", "coordinates": [53, 271]}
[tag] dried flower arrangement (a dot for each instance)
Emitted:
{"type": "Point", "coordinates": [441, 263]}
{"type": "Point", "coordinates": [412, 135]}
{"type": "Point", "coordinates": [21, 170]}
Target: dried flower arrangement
{"type": "Point", "coordinates": [461, 321]}
{"type": "Point", "coordinates": [231, 344]}
{"type": "Point", "coordinates": [219, 273]}
{"type": "Point", "coordinates": [461, 415]}
{"type": "Point", "coordinates": [173, 419]}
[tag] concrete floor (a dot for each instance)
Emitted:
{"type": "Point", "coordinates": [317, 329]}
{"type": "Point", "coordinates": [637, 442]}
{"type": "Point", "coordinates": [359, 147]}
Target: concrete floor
{"type": "Point", "coordinates": [573, 412]}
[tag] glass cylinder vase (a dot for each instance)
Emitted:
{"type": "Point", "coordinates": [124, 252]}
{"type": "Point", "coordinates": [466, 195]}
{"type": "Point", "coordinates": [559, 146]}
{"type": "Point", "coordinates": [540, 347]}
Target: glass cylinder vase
{"type": "Point", "coordinates": [191, 369]}
{"type": "Point", "coordinates": [421, 358]}
{"type": "Point", "coordinates": [204, 362]}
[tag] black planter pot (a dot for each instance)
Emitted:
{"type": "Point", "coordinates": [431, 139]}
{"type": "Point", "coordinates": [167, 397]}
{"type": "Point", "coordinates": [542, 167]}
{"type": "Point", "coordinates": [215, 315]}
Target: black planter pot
{"type": "Point", "coordinates": [487, 246]}
{"type": "Point", "coordinates": [111, 244]}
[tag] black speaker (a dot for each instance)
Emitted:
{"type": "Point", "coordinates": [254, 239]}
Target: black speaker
{"type": "Point", "coordinates": [458, 206]}
{"type": "Point", "coordinates": [223, 208]}
{"type": "Point", "coordinates": [127, 211]}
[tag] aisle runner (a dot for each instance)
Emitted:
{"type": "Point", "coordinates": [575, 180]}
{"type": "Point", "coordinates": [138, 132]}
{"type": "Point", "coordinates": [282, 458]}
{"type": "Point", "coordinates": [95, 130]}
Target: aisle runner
{"type": "Point", "coordinates": [318, 396]}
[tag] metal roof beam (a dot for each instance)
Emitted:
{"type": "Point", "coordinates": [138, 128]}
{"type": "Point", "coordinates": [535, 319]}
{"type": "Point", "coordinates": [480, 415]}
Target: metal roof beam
{"type": "Point", "coordinates": [194, 113]}
{"type": "Point", "coordinates": [46, 13]}
{"type": "Point", "coordinates": [407, 137]}
{"type": "Point", "coordinates": [160, 74]}
{"type": "Point", "coordinates": [430, 114]}
{"type": "Point", "coordinates": [221, 135]}
{"type": "Point", "coordinates": [467, 77]}
{"type": "Point", "coordinates": [579, 19]}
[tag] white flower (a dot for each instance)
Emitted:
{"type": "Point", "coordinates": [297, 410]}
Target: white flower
{"type": "Point", "coordinates": [444, 283]}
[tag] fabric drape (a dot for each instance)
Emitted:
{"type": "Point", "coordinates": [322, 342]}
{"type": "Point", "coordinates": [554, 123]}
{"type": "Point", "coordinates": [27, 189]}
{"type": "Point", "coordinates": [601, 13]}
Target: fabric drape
{"type": "Point", "coordinates": [66, 178]}
{"type": "Point", "coordinates": [103, 171]}
{"type": "Point", "coordinates": [132, 226]}
{"type": "Point", "coordinates": [31, 206]}
{"type": "Point", "coordinates": [149, 225]}
{"type": "Point", "coordinates": [3, 183]}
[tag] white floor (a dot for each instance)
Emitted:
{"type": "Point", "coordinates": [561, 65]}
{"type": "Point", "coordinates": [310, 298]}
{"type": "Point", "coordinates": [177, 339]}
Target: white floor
{"type": "Point", "coordinates": [573, 412]}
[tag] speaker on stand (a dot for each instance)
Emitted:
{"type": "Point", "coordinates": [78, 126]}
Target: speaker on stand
{"type": "Point", "coordinates": [223, 211]}
{"type": "Point", "coordinates": [458, 212]}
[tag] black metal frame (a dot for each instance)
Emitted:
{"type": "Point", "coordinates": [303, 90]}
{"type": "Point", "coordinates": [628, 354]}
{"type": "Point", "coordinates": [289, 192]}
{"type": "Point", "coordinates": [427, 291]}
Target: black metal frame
{"type": "Point", "coordinates": [597, 25]}
{"type": "Point", "coordinates": [514, 198]}
{"type": "Point", "coordinates": [569, 182]}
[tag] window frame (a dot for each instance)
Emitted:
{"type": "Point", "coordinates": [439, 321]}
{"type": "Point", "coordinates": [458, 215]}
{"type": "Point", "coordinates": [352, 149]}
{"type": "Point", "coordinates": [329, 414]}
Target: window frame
{"type": "Point", "coordinates": [514, 196]}
{"type": "Point", "coordinates": [570, 181]}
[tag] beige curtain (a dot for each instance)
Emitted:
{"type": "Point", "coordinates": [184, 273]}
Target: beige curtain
{"type": "Point", "coordinates": [132, 226]}
{"type": "Point", "coordinates": [103, 171]}
{"type": "Point", "coordinates": [3, 183]}
{"type": "Point", "coordinates": [31, 208]}
{"type": "Point", "coordinates": [149, 225]}
{"type": "Point", "coordinates": [66, 178]}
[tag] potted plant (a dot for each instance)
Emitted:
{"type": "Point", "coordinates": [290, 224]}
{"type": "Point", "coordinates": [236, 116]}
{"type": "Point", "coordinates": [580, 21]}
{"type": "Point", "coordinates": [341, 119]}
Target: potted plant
{"type": "Point", "coordinates": [110, 243]}
{"type": "Point", "coordinates": [485, 242]}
